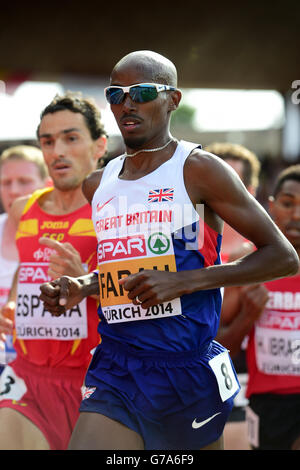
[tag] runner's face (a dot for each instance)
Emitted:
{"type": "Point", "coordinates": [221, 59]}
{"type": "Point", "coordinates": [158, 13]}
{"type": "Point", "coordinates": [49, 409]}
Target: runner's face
{"type": "Point", "coordinates": [140, 123]}
{"type": "Point", "coordinates": [18, 178]}
{"type": "Point", "coordinates": [285, 210]}
{"type": "Point", "coordinates": [69, 150]}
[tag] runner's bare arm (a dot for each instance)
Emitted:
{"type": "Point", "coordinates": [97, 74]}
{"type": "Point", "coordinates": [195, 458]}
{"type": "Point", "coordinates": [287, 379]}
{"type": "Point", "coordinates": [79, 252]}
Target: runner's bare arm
{"type": "Point", "coordinates": [12, 296]}
{"type": "Point", "coordinates": [64, 261]}
{"type": "Point", "coordinates": [17, 209]}
{"type": "Point", "coordinates": [253, 300]}
{"type": "Point", "coordinates": [7, 311]}
{"type": "Point", "coordinates": [212, 182]}
{"type": "Point", "coordinates": [241, 307]}
{"type": "Point", "coordinates": [6, 327]}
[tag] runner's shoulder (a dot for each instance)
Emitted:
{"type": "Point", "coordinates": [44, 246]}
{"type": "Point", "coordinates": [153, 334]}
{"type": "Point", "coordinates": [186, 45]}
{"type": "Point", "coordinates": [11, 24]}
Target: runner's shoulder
{"type": "Point", "coordinates": [91, 183]}
{"type": "Point", "coordinates": [209, 177]}
{"type": "Point", "coordinates": [208, 162]}
{"type": "Point", "coordinates": [18, 207]}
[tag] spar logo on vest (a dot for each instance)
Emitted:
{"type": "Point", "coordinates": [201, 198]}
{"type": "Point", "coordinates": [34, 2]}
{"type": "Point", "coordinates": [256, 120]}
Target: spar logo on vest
{"type": "Point", "coordinates": [122, 248]}
{"type": "Point", "coordinates": [161, 195]}
{"type": "Point", "coordinates": [33, 274]}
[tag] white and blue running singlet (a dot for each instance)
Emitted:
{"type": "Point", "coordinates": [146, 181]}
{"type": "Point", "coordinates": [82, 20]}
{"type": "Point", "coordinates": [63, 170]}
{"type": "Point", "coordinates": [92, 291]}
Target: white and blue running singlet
{"type": "Point", "coordinates": [150, 223]}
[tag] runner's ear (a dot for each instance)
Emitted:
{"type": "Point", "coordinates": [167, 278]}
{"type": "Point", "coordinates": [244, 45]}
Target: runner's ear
{"type": "Point", "coordinates": [174, 99]}
{"type": "Point", "coordinates": [100, 147]}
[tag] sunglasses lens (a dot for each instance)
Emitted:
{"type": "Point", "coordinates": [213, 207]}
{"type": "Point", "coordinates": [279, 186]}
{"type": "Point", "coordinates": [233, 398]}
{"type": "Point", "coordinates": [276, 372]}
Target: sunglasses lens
{"type": "Point", "coordinates": [138, 94]}
{"type": "Point", "coordinates": [114, 95]}
{"type": "Point", "coordinates": [143, 93]}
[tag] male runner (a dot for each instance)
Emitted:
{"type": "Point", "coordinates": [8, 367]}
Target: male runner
{"type": "Point", "coordinates": [40, 391]}
{"type": "Point", "coordinates": [273, 353]}
{"type": "Point", "coordinates": [159, 380]}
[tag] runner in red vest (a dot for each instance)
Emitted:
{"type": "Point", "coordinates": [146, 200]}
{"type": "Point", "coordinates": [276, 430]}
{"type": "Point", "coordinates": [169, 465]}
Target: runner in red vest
{"type": "Point", "coordinates": [40, 391]}
{"type": "Point", "coordinates": [270, 315]}
{"type": "Point", "coordinates": [273, 352]}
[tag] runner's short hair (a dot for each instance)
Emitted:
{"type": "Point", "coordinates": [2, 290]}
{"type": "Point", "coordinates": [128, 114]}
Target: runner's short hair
{"type": "Point", "coordinates": [290, 173]}
{"type": "Point", "coordinates": [75, 102]}
{"type": "Point", "coordinates": [28, 153]}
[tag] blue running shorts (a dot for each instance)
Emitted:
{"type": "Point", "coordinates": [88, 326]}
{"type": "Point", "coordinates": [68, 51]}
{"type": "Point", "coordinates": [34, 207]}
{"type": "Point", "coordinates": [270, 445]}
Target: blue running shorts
{"type": "Point", "coordinates": [174, 400]}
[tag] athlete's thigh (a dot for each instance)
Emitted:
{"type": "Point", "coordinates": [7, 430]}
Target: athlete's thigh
{"type": "Point", "coordinates": [18, 433]}
{"type": "Point", "coordinates": [235, 436]}
{"type": "Point", "coordinates": [217, 445]}
{"type": "Point", "coordinates": [94, 431]}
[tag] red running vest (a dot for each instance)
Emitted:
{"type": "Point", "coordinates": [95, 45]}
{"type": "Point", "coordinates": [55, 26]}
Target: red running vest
{"type": "Point", "coordinates": [41, 338]}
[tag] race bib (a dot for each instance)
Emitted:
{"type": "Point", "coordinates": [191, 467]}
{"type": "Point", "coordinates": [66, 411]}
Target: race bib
{"type": "Point", "coordinates": [277, 351]}
{"type": "Point", "coordinates": [33, 321]}
{"type": "Point", "coordinates": [222, 368]}
{"type": "Point", "coordinates": [120, 257]}
{"type": "Point", "coordinates": [12, 387]}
